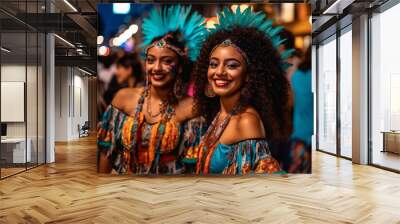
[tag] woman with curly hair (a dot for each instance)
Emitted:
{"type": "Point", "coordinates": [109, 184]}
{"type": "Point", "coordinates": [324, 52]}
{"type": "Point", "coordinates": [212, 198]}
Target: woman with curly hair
{"type": "Point", "coordinates": [147, 130]}
{"type": "Point", "coordinates": [242, 91]}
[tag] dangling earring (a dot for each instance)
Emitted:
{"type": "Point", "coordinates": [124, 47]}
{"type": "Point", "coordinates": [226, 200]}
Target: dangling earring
{"type": "Point", "coordinates": [147, 82]}
{"type": "Point", "coordinates": [209, 92]}
{"type": "Point", "coordinates": [178, 88]}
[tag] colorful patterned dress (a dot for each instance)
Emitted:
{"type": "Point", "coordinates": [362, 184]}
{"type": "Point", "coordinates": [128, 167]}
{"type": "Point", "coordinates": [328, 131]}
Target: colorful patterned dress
{"type": "Point", "coordinates": [135, 146]}
{"type": "Point", "coordinates": [244, 157]}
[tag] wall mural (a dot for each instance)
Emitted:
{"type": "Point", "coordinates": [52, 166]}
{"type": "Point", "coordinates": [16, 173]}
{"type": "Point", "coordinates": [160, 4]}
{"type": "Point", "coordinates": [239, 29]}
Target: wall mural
{"type": "Point", "coordinates": [204, 89]}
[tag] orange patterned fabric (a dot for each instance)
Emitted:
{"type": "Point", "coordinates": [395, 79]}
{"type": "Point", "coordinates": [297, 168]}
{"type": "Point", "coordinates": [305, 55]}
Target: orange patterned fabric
{"type": "Point", "coordinates": [267, 165]}
{"type": "Point", "coordinates": [193, 131]}
{"type": "Point", "coordinates": [116, 136]}
{"type": "Point", "coordinates": [126, 132]}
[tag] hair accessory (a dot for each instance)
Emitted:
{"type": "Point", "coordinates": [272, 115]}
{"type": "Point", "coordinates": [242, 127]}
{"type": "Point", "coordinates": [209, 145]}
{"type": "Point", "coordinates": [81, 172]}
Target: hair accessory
{"type": "Point", "coordinates": [163, 44]}
{"type": "Point", "coordinates": [229, 19]}
{"type": "Point", "coordinates": [227, 43]}
{"type": "Point", "coordinates": [189, 25]}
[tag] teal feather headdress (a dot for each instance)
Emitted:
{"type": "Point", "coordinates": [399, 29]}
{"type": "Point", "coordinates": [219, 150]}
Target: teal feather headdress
{"type": "Point", "coordinates": [176, 18]}
{"type": "Point", "coordinates": [229, 19]}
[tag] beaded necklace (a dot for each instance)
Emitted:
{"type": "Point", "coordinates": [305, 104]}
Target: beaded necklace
{"type": "Point", "coordinates": [166, 115]}
{"type": "Point", "coordinates": [163, 104]}
{"type": "Point", "coordinates": [211, 138]}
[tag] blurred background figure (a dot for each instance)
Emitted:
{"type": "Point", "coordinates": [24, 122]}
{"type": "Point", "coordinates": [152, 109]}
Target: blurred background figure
{"type": "Point", "coordinates": [283, 150]}
{"type": "Point", "coordinates": [128, 73]}
{"type": "Point", "coordinates": [300, 147]}
{"type": "Point", "coordinates": [129, 70]}
{"type": "Point", "coordinates": [106, 69]}
{"type": "Point", "coordinates": [296, 56]}
{"type": "Point", "coordinates": [121, 70]}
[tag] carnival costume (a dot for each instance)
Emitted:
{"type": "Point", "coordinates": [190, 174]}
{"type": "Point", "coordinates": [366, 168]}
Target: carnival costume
{"type": "Point", "coordinates": [250, 155]}
{"type": "Point", "coordinates": [136, 146]}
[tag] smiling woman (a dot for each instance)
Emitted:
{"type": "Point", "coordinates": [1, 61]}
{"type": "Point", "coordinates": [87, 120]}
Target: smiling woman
{"type": "Point", "coordinates": [148, 130]}
{"type": "Point", "coordinates": [243, 93]}
{"type": "Point", "coordinates": [226, 69]}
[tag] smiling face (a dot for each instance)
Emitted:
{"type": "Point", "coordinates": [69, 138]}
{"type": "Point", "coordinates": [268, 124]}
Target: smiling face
{"type": "Point", "coordinates": [226, 71]}
{"type": "Point", "coordinates": [162, 66]}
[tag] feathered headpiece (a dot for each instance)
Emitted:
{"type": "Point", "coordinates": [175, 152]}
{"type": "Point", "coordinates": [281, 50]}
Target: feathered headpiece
{"type": "Point", "coordinates": [179, 19]}
{"type": "Point", "coordinates": [229, 19]}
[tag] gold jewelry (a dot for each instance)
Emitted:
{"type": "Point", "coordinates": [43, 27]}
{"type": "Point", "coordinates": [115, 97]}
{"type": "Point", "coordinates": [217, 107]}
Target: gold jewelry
{"type": "Point", "coordinates": [162, 106]}
{"type": "Point", "coordinates": [163, 44]}
{"type": "Point", "coordinates": [227, 43]}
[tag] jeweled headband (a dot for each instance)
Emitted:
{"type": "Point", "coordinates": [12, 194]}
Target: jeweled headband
{"type": "Point", "coordinates": [229, 19]}
{"type": "Point", "coordinates": [227, 43]}
{"type": "Point", "coordinates": [163, 44]}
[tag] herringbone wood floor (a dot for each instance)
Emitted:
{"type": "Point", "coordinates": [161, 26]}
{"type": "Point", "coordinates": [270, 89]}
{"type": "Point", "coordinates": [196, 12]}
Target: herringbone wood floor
{"type": "Point", "coordinates": [70, 191]}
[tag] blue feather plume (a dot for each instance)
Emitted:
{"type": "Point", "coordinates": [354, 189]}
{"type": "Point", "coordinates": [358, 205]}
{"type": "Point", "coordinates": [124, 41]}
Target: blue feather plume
{"type": "Point", "coordinates": [228, 19]}
{"type": "Point", "coordinates": [176, 18]}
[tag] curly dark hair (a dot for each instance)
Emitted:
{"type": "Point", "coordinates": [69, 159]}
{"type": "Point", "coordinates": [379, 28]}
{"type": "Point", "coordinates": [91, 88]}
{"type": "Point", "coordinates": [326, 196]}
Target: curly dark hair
{"type": "Point", "coordinates": [267, 89]}
{"type": "Point", "coordinates": [181, 81]}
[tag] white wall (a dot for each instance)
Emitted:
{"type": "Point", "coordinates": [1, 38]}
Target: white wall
{"type": "Point", "coordinates": [61, 103]}
{"type": "Point", "coordinates": [80, 110]}
{"type": "Point", "coordinates": [17, 73]}
{"type": "Point", "coordinates": [14, 73]}
{"type": "Point", "coordinates": [71, 102]}
{"type": "Point", "coordinates": [33, 127]}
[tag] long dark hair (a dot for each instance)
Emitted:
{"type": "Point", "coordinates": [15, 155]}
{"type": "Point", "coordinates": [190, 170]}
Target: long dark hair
{"type": "Point", "coordinates": [267, 89]}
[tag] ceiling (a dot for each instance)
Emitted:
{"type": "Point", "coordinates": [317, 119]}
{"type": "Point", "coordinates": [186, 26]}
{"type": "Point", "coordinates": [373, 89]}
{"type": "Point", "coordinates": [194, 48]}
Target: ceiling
{"type": "Point", "coordinates": [20, 17]}
{"type": "Point", "coordinates": [80, 27]}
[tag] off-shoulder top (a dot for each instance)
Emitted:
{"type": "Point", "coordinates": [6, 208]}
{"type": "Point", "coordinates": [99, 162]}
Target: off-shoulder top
{"type": "Point", "coordinates": [243, 157]}
{"type": "Point", "coordinates": [133, 145]}
{"type": "Point", "coordinates": [247, 156]}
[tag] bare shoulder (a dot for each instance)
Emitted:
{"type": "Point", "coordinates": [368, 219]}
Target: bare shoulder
{"type": "Point", "coordinates": [248, 125]}
{"type": "Point", "coordinates": [186, 101]}
{"type": "Point", "coordinates": [184, 109]}
{"type": "Point", "coordinates": [125, 97]}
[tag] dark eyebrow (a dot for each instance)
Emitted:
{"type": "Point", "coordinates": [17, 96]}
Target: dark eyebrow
{"type": "Point", "coordinates": [162, 57]}
{"type": "Point", "coordinates": [233, 59]}
{"type": "Point", "coordinates": [167, 56]}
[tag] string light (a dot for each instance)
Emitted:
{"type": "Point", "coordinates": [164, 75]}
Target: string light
{"type": "Point", "coordinates": [121, 8]}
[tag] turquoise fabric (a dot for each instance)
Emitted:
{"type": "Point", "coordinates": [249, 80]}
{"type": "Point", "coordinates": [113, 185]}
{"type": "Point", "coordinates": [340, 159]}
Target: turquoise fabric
{"type": "Point", "coordinates": [249, 151]}
{"type": "Point", "coordinates": [219, 159]}
{"type": "Point", "coordinates": [303, 121]}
